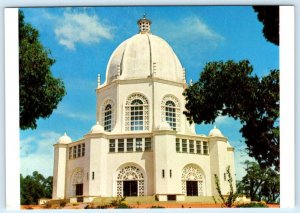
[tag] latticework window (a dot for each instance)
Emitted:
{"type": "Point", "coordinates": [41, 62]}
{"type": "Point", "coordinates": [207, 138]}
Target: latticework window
{"type": "Point", "coordinates": [192, 173]}
{"type": "Point", "coordinates": [77, 178]}
{"type": "Point", "coordinates": [107, 117]}
{"type": "Point", "coordinates": [170, 112]}
{"type": "Point", "coordinates": [130, 173]}
{"type": "Point", "coordinates": [136, 113]}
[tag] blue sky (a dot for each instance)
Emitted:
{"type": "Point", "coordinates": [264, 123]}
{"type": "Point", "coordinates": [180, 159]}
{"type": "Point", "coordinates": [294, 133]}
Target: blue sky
{"type": "Point", "coordinates": [82, 40]}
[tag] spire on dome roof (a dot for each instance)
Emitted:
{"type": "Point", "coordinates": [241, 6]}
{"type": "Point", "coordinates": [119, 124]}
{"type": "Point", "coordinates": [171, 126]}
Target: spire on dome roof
{"type": "Point", "coordinates": [144, 24]}
{"type": "Point", "coordinates": [98, 81]}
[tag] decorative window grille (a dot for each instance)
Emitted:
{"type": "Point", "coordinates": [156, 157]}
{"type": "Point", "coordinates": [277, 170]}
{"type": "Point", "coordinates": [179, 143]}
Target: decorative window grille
{"type": "Point", "coordinates": [192, 173]}
{"type": "Point", "coordinates": [184, 145]}
{"type": "Point", "coordinates": [70, 152]}
{"type": "Point", "coordinates": [177, 145]}
{"type": "Point", "coordinates": [79, 150]}
{"type": "Point", "coordinates": [129, 145]}
{"type": "Point", "coordinates": [205, 147]}
{"type": "Point", "coordinates": [148, 144]}
{"type": "Point", "coordinates": [136, 113]}
{"type": "Point", "coordinates": [138, 144]}
{"type": "Point", "coordinates": [107, 118]}
{"type": "Point", "coordinates": [120, 145]}
{"type": "Point", "coordinates": [77, 178]}
{"type": "Point", "coordinates": [170, 111]}
{"type": "Point", "coordinates": [83, 149]}
{"type": "Point", "coordinates": [198, 147]}
{"type": "Point", "coordinates": [130, 173]}
{"type": "Point", "coordinates": [74, 151]}
{"type": "Point", "coordinates": [112, 145]}
{"type": "Point", "coordinates": [192, 149]}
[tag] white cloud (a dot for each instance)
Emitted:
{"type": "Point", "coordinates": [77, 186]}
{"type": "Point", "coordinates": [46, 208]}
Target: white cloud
{"type": "Point", "coordinates": [221, 120]}
{"type": "Point", "coordinates": [69, 113]}
{"type": "Point", "coordinates": [193, 26]}
{"type": "Point", "coordinates": [190, 29]}
{"type": "Point", "coordinates": [191, 38]}
{"type": "Point", "coordinates": [37, 153]}
{"type": "Point", "coordinates": [80, 27]}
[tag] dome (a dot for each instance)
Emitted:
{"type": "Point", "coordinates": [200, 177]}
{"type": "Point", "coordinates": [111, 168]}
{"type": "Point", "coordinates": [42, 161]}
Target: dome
{"type": "Point", "coordinates": [97, 128]}
{"type": "Point", "coordinates": [144, 55]}
{"type": "Point", "coordinates": [65, 139]}
{"type": "Point", "coordinates": [215, 132]}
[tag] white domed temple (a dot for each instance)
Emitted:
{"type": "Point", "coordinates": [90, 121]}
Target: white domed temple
{"type": "Point", "coordinates": [142, 143]}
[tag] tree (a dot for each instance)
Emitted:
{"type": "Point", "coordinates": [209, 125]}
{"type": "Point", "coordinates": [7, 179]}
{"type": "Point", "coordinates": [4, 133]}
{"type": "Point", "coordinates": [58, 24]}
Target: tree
{"type": "Point", "coordinates": [39, 91]}
{"type": "Point", "coordinates": [260, 184]}
{"type": "Point", "coordinates": [35, 187]}
{"type": "Point", "coordinates": [230, 89]}
{"type": "Point", "coordinates": [269, 16]}
{"type": "Point", "coordinates": [229, 200]}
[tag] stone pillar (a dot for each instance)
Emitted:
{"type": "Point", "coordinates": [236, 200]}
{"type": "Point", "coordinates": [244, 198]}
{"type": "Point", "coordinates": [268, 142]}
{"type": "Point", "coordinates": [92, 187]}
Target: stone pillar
{"type": "Point", "coordinates": [59, 171]}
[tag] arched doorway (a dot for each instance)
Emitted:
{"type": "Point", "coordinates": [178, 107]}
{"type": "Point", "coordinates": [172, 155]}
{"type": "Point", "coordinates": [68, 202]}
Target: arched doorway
{"type": "Point", "coordinates": [130, 182]}
{"type": "Point", "coordinates": [192, 181]}
{"type": "Point", "coordinates": [77, 182]}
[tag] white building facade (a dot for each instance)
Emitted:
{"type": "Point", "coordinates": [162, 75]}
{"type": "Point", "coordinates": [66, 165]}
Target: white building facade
{"type": "Point", "coordinates": [142, 144]}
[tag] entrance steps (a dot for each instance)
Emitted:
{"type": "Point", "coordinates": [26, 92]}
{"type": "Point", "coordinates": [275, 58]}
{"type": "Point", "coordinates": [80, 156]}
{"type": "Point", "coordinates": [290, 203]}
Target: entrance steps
{"type": "Point", "coordinates": [152, 200]}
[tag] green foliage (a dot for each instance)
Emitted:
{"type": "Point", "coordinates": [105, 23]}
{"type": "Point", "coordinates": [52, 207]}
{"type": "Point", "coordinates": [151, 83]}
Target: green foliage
{"type": "Point", "coordinates": [260, 184]}
{"type": "Point", "coordinates": [62, 203]}
{"type": "Point", "coordinates": [252, 205]}
{"type": "Point", "coordinates": [228, 200]}
{"type": "Point", "coordinates": [230, 89]}
{"type": "Point", "coordinates": [157, 207]}
{"type": "Point", "coordinates": [119, 202]}
{"type": "Point", "coordinates": [40, 92]}
{"type": "Point", "coordinates": [269, 16]}
{"type": "Point", "coordinates": [123, 205]}
{"type": "Point", "coordinates": [35, 187]}
{"type": "Point", "coordinates": [48, 205]}
{"type": "Point", "coordinates": [93, 206]}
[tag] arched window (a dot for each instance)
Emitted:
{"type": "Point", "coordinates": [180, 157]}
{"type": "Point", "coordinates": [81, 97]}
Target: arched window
{"type": "Point", "coordinates": [77, 182]}
{"type": "Point", "coordinates": [107, 118]}
{"type": "Point", "coordinates": [192, 181]}
{"type": "Point", "coordinates": [130, 182]}
{"type": "Point", "coordinates": [170, 112]}
{"type": "Point", "coordinates": [137, 113]}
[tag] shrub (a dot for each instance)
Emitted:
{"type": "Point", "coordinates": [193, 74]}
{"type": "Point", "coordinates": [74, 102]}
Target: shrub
{"type": "Point", "coordinates": [48, 205]}
{"type": "Point", "coordinates": [252, 205]}
{"type": "Point", "coordinates": [123, 205]}
{"type": "Point", "coordinates": [116, 202]}
{"type": "Point", "coordinates": [62, 203]}
{"type": "Point", "coordinates": [157, 207]}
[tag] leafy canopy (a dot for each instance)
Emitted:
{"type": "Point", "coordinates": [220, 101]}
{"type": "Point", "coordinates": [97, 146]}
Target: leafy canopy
{"type": "Point", "coordinates": [40, 92]}
{"type": "Point", "coordinates": [260, 184]}
{"type": "Point", "coordinates": [230, 89]}
{"type": "Point", "coordinates": [34, 187]}
{"type": "Point", "coordinates": [269, 16]}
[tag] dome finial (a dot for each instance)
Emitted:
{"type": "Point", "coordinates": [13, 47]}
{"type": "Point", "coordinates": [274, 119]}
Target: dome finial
{"type": "Point", "coordinates": [144, 24]}
{"type": "Point", "coordinates": [98, 81]}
